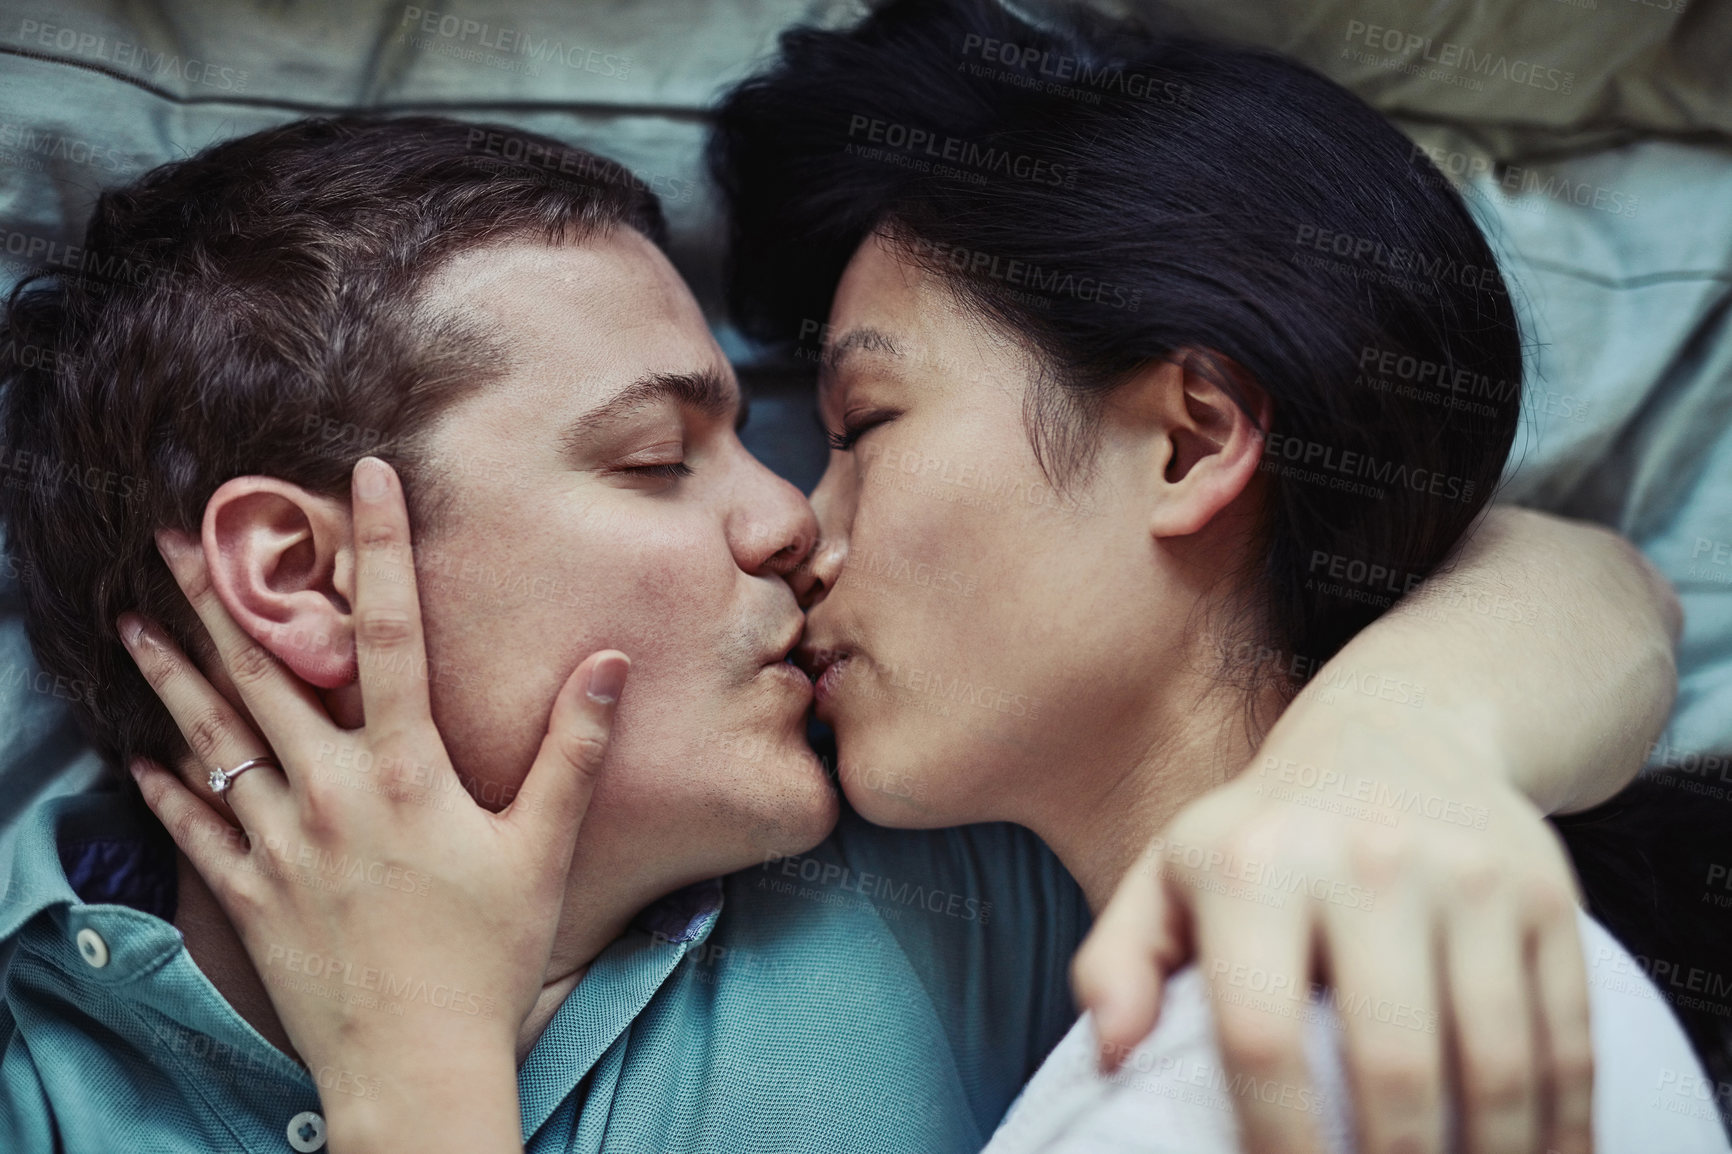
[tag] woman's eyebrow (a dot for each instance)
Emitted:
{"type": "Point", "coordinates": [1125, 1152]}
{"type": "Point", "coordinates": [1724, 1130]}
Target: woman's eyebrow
{"type": "Point", "coordinates": [864, 338]}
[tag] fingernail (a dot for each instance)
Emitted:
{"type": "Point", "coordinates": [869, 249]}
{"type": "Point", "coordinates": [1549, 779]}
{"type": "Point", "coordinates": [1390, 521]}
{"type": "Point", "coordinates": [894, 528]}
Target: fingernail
{"type": "Point", "coordinates": [370, 483]}
{"type": "Point", "coordinates": [131, 627]}
{"type": "Point", "coordinates": [607, 678]}
{"type": "Point", "coordinates": [136, 768]}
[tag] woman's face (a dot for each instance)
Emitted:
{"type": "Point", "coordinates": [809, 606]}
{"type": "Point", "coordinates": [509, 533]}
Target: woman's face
{"type": "Point", "coordinates": [986, 643]}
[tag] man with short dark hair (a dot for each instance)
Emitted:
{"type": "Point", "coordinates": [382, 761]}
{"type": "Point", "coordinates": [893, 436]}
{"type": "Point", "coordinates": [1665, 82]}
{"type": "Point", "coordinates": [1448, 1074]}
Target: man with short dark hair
{"type": "Point", "coordinates": [513, 340]}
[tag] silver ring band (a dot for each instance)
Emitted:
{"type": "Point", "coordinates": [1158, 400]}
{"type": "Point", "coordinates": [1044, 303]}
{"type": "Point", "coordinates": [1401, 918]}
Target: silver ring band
{"type": "Point", "coordinates": [221, 779]}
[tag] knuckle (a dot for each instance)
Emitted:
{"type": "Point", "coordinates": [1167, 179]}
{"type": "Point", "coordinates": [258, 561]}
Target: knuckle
{"type": "Point", "coordinates": [395, 747]}
{"type": "Point", "coordinates": [1215, 814]}
{"type": "Point", "coordinates": [1382, 856]}
{"type": "Point", "coordinates": [1262, 1045]}
{"type": "Point", "coordinates": [583, 748]}
{"type": "Point", "coordinates": [401, 774]}
{"type": "Point", "coordinates": [1260, 837]}
{"type": "Point", "coordinates": [1494, 1084]}
{"type": "Point", "coordinates": [250, 666]}
{"type": "Point", "coordinates": [1572, 1064]}
{"type": "Point", "coordinates": [317, 793]}
{"type": "Point", "coordinates": [378, 536]}
{"type": "Point", "coordinates": [1571, 1136]}
{"type": "Point", "coordinates": [321, 817]}
{"type": "Point", "coordinates": [1404, 1079]}
{"type": "Point", "coordinates": [1190, 825]}
{"type": "Point", "coordinates": [205, 734]}
{"type": "Point", "coordinates": [384, 627]}
{"type": "Point", "coordinates": [1474, 874]}
{"type": "Point", "coordinates": [243, 895]}
{"type": "Point", "coordinates": [1549, 901]}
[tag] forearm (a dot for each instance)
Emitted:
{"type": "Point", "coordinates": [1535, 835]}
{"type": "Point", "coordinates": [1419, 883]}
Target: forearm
{"type": "Point", "coordinates": [1544, 652]}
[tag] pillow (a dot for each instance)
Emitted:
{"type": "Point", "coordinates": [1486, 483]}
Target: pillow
{"type": "Point", "coordinates": [1621, 265]}
{"type": "Point", "coordinates": [1536, 77]}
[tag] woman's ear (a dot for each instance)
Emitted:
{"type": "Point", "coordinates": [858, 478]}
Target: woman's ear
{"type": "Point", "coordinates": [282, 561]}
{"type": "Point", "coordinates": [1207, 448]}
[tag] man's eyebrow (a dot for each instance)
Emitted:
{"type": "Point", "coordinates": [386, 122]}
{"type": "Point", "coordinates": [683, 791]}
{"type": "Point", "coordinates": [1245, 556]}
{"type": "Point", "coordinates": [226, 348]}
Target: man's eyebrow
{"type": "Point", "coordinates": [707, 390]}
{"type": "Point", "coordinates": [861, 339]}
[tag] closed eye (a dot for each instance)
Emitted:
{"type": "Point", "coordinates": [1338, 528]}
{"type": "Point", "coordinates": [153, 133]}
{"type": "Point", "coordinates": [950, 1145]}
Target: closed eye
{"type": "Point", "coordinates": [857, 425]}
{"type": "Point", "coordinates": [672, 471]}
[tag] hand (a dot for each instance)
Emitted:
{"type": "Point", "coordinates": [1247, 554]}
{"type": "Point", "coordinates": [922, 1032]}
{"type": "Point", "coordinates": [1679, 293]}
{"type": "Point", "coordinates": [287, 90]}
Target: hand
{"type": "Point", "coordinates": [1434, 900]}
{"type": "Point", "coordinates": [402, 931]}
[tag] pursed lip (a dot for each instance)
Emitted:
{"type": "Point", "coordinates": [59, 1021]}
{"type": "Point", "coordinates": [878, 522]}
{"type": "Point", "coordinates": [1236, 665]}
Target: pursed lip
{"type": "Point", "coordinates": [825, 687]}
{"type": "Point", "coordinates": [823, 663]}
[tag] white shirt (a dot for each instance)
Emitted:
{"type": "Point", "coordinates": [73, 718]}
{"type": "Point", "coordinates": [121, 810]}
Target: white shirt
{"type": "Point", "coordinates": [1173, 1095]}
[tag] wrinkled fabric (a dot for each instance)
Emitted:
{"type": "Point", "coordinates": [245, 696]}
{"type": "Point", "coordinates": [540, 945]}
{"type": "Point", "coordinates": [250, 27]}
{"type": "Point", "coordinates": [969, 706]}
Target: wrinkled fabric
{"type": "Point", "coordinates": [887, 991]}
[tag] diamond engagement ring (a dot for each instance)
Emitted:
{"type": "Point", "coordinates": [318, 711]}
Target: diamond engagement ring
{"type": "Point", "coordinates": [221, 779]}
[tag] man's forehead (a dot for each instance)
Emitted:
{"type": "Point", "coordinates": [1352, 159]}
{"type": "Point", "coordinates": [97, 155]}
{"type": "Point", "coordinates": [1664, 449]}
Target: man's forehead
{"type": "Point", "coordinates": [588, 319]}
{"type": "Point", "coordinates": [614, 271]}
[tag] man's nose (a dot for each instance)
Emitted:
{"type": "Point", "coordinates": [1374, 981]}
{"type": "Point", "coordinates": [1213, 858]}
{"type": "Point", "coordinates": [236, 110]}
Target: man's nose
{"type": "Point", "coordinates": [774, 529]}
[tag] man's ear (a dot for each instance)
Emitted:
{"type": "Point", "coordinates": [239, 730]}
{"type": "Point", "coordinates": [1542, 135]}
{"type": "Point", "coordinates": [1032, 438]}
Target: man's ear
{"type": "Point", "coordinates": [1206, 447]}
{"type": "Point", "coordinates": [282, 560]}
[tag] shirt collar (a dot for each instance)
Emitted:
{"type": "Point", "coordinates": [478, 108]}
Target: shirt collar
{"type": "Point", "coordinates": [617, 987]}
{"type": "Point", "coordinates": [38, 879]}
{"type": "Point", "coordinates": [107, 848]}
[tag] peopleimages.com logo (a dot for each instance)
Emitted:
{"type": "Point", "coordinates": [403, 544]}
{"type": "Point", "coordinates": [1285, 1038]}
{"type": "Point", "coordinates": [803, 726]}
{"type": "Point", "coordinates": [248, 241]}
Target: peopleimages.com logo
{"type": "Point", "coordinates": [1462, 59]}
{"type": "Point", "coordinates": [876, 139]}
{"type": "Point", "coordinates": [131, 57]}
{"type": "Point", "coordinates": [1348, 463]}
{"type": "Point", "coordinates": [492, 44]}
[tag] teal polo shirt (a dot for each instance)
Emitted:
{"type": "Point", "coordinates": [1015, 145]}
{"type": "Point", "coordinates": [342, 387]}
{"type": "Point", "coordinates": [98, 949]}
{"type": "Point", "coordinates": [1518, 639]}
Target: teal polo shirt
{"type": "Point", "coordinates": [890, 991]}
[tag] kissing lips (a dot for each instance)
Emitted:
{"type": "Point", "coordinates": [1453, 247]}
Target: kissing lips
{"type": "Point", "coordinates": [790, 676]}
{"type": "Point", "coordinates": [830, 677]}
{"type": "Point", "coordinates": [824, 662]}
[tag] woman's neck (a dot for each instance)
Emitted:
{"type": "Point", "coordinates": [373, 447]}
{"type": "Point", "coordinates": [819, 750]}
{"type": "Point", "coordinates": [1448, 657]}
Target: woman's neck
{"type": "Point", "coordinates": [1100, 823]}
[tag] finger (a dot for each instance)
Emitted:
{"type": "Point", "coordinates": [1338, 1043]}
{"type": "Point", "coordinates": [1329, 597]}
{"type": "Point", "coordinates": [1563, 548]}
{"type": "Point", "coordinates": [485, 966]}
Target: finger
{"type": "Point", "coordinates": [1563, 1036]}
{"type": "Point", "coordinates": [1490, 1019]}
{"type": "Point", "coordinates": [287, 713]}
{"type": "Point", "coordinates": [1121, 970]}
{"type": "Point", "coordinates": [1257, 960]}
{"type": "Point", "coordinates": [388, 642]}
{"type": "Point", "coordinates": [216, 734]}
{"type": "Point", "coordinates": [555, 796]}
{"type": "Point", "coordinates": [1385, 967]}
{"type": "Point", "coordinates": [215, 848]}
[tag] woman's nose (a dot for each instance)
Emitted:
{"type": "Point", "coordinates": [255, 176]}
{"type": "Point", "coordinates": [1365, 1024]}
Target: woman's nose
{"type": "Point", "coordinates": [816, 576]}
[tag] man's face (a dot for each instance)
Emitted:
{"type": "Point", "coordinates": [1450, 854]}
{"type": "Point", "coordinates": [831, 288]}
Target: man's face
{"type": "Point", "coordinates": [598, 496]}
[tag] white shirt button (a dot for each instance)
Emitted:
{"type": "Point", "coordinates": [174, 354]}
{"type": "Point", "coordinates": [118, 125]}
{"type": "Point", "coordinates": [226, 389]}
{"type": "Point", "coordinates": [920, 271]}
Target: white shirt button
{"type": "Point", "coordinates": [307, 1132]}
{"type": "Point", "coordinates": [92, 948]}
